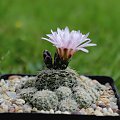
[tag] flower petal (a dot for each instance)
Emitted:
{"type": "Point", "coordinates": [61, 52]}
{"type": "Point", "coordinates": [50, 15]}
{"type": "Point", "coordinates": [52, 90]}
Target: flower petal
{"type": "Point", "coordinates": [73, 40]}
{"type": "Point", "coordinates": [83, 49]}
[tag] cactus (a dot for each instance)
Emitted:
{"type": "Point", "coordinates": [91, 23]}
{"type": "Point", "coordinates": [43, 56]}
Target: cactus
{"type": "Point", "coordinates": [27, 93]}
{"type": "Point", "coordinates": [29, 83]}
{"type": "Point", "coordinates": [63, 92]}
{"type": "Point", "coordinates": [45, 100]}
{"type": "Point", "coordinates": [53, 79]}
{"type": "Point", "coordinates": [52, 86]}
{"type": "Point", "coordinates": [68, 105]}
{"type": "Point", "coordinates": [82, 97]}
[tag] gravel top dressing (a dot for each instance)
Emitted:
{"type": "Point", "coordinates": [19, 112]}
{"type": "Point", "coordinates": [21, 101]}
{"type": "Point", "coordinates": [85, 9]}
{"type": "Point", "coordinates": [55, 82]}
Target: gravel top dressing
{"type": "Point", "coordinates": [14, 97]}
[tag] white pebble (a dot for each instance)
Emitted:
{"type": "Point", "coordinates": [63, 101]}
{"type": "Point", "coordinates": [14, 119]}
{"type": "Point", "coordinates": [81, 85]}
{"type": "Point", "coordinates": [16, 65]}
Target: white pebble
{"type": "Point", "coordinates": [11, 109]}
{"type": "Point", "coordinates": [34, 109]}
{"type": "Point", "coordinates": [1, 100]}
{"type": "Point", "coordinates": [90, 111]}
{"type": "Point", "coordinates": [93, 106]}
{"type": "Point", "coordinates": [42, 111]}
{"type": "Point", "coordinates": [47, 112]}
{"type": "Point", "coordinates": [12, 89]}
{"type": "Point", "coordinates": [110, 110]}
{"type": "Point", "coordinates": [58, 112]}
{"type": "Point", "coordinates": [101, 92]}
{"type": "Point", "coordinates": [20, 111]}
{"type": "Point", "coordinates": [0, 92]}
{"type": "Point", "coordinates": [113, 99]}
{"type": "Point", "coordinates": [11, 94]}
{"type": "Point", "coordinates": [104, 110]}
{"type": "Point", "coordinates": [113, 105]}
{"type": "Point", "coordinates": [24, 78]}
{"type": "Point", "coordinates": [2, 82]}
{"type": "Point", "coordinates": [115, 114]}
{"type": "Point", "coordinates": [51, 111]}
{"type": "Point", "coordinates": [108, 85]}
{"type": "Point", "coordinates": [98, 113]}
{"type": "Point", "coordinates": [83, 112]}
{"type": "Point", "coordinates": [5, 107]}
{"type": "Point", "coordinates": [20, 101]}
{"type": "Point", "coordinates": [99, 108]}
{"type": "Point", "coordinates": [66, 112]}
{"type": "Point", "coordinates": [16, 107]}
{"type": "Point", "coordinates": [27, 108]}
{"type": "Point", "coordinates": [5, 97]}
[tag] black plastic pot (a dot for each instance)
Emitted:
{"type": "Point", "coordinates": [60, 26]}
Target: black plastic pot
{"type": "Point", "coordinates": [41, 116]}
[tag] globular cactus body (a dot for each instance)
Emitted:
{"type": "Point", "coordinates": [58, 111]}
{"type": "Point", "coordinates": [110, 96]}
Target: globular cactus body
{"type": "Point", "coordinates": [83, 98]}
{"type": "Point", "coordinates": [68, 105]}
{"type": "Point", "coordinates": [63, 93]}
{"type": "Point", "coordinates": [45, 100]}
{"type": "Point", "coordinates": [61, 90]}
{"type": "Point", "coordinates": [53, 79]}
{"type": "Point", "coordinates": [27, 93]}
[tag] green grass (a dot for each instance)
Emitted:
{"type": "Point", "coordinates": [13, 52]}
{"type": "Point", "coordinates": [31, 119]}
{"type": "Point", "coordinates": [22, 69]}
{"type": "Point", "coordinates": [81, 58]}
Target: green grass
{"type": "Point", "coordinates": [24, 22]}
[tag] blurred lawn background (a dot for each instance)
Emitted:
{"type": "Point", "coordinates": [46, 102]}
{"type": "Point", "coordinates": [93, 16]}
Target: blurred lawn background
{"type": "Point", "coordinates": [24, 22]}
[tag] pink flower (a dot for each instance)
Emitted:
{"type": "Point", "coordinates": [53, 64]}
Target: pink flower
{"type": "Point", "coordinates": [67, 43]}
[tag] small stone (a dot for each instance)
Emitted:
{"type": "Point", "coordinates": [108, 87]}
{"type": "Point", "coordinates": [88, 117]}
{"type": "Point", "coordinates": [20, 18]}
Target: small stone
{"type": "Point", "coordinates": [101, 92]}
{"type": "Point", "coordinates": [98, 113]}
{"type": "Point", "coordinates": [107, 85]}
{"type": "Point", "coordinates": [91, 83]}
{"type": "Point", "coordinates": [11, 109]}
{"type": "Point", "coordinates": [2, 82]}
{"type": "Point", "coordinates": [34, 109]}
{"type": "Point", "coordinates": [105, 100]}
{"type": "Point", "coordinates": [105, 111]}
{"type": "Point", "coordinates": [20, 111]}
{"type": "Point", "coordinates": [1, 100]}
{"type": "Point", "coordinates": [82, 77]}
{"type": "Point", "coordinates": [1, 92]}
{"type": "Point", "coordinates": [42, 111]}
{"type": "Point", "coordinates": [4, 88]}
{"type": "Point", "coordinates": [11, 94]}
{"type": "Point", "coordinates": [27, 108]}
{"type": "Point", "coordinates": [95, 81]}
{"type": "Point", "coordinates": [108, 114]}
{"type": "Point", "coordinates": [51, 111]}
{"type": "Point", "coordinates": [5, 107]}
{"type": "Point", "coordinates": [14, 77]}
{"type": "Point", "coordinates": [115, 114]}
{"type": "Point", "coordinates": [8, 102]}
{"type": "Point", "coordinates": [12, 89]}
{"type": "Point", "coordinates": [1, 110]}
{"type": "Point", "coordinates": [6, 97]}
{"type": "Point", "coordinates": [83, 112]}
{"type": "Point", "coordinates": [98, 108]}
{"type": "Point", "coordinates": [38, 111]}
{"type": "Point", "coordinates": [66, 112]}
{"type": "Point", "coordinates": [58, 112]}
{"type": "Point", "coordinates": [16, 107]}
{"type": "Point", "coordinates": [93, 106]}
{"type": "Point", "coordinates": [90, 111]}
{"type": "Point", "coordinates": [113, 99]}
{"type": "Point", "coordinates": [47, 112]}
{"type": "Point", "coordinates": [110, 110]}
{"type": "Point", "coordinates": [113, 105]}
{"type": "Point", "coordinates": [20, 101]}
{"type": "Point", "coordinates": [101, 104]}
